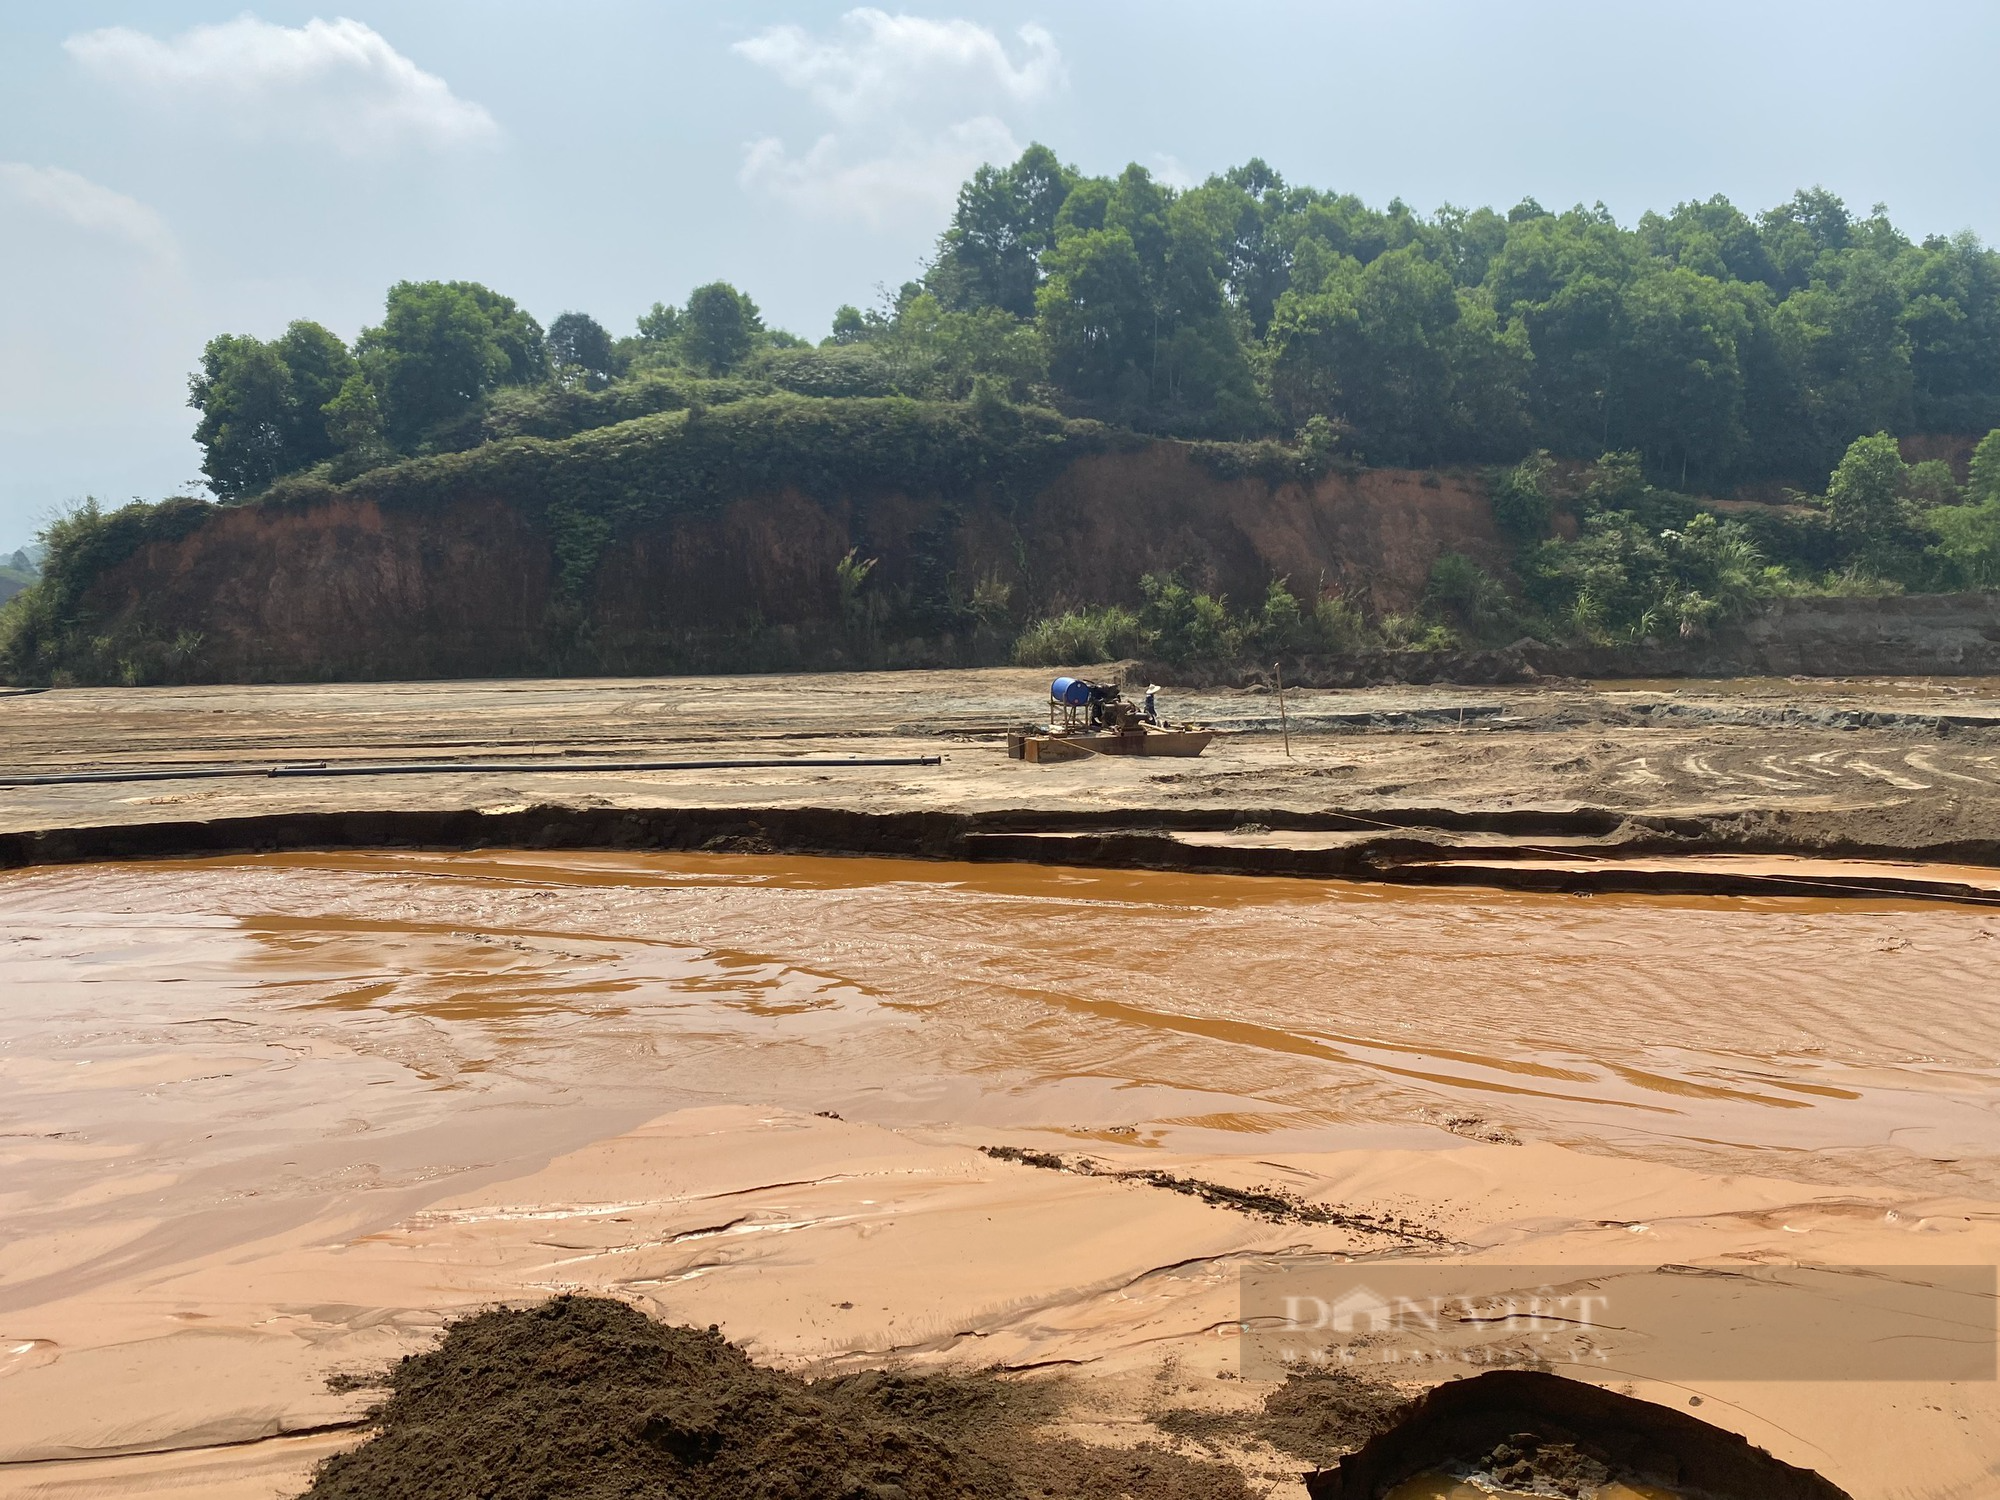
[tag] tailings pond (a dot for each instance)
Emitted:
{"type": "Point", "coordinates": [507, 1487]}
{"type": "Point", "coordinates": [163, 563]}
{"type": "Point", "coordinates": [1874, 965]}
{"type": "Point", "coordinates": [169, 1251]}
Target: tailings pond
{"type": "Point", "coordinates": [225, 1043]}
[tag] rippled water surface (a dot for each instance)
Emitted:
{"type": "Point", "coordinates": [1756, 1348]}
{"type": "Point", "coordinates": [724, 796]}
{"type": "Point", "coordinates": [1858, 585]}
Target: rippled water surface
{"type": "Point", "coordinates": [285, 1025]}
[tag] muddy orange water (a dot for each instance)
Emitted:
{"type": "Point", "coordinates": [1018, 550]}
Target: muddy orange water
{"type": "Point", "coordinates": [241, 1036]}
{"type": "Point", "coordinates": [264, 1118]}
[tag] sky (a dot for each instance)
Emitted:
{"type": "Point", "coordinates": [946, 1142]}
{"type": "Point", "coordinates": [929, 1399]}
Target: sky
{"type": "Point", "coordinates": [173, 170]}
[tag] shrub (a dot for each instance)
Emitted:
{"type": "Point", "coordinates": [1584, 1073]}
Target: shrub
{"type": "Point", "coordinates": [1184, 625]}
{"type": "Point", "coordinates": [1523, 506]}
{"type": "Point", "coordinates": [1467, 598]}
{"type": "Point", "coordinates": [1929, 484]}
{"type": "Point", "coordinates": [1337, 625]}
{"type": "Point", "coordinates": [1080, 637]}
{"type": "Point", "coordinates": [1982, 485]}
{"type": "Point", "coordinates": [1967, 548]}
{"type": "Point", "coordinates": [1620, 581]}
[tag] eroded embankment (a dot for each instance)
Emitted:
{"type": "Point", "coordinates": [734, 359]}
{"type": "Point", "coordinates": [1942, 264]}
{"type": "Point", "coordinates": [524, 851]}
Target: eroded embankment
{"type": "Point", "coordinates": [1582, 850]}
{"type": "Point", "coordinates": [408, 573]}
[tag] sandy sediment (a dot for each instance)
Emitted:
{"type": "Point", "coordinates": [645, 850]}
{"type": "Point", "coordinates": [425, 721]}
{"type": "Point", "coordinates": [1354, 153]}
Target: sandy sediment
{"type": "Point", "coordinates": [276, 1118]}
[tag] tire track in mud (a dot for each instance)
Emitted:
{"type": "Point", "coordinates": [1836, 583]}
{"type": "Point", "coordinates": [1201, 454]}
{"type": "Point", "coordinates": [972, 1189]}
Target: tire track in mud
{"type": "Point", "coordinates": [1726, 767]}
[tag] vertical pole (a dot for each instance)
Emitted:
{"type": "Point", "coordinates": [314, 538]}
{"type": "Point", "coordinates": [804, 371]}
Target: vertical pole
{"type": "Point", "coordinates": [1284, 721]}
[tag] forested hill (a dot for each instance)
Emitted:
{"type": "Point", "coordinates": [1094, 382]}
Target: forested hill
{"type": "Point", "coordinates": [1613, 387]}
{"type": "Point", "coordinates": [1721, 347]}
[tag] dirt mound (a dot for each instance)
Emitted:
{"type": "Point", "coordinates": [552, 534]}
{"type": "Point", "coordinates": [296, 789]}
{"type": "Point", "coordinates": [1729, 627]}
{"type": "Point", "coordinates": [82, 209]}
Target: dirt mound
{"type": "Point", "coordinates": [1320, 1414]}
{"type": "Point", "coordinates": [587, 1399]}
{"type": "Point", "coordinates": [1316, 1415]}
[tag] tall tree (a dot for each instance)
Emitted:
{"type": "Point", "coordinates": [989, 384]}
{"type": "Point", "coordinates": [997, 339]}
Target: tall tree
{"type": "Point", "coordinates": [244, 394]}
{"type": "Point", "coordinates": [579, 351]}
{"type": "Point", "coordinates": [1844, 337]}
{"type": "Point", "coordinates": [441, 347]}
{"type": "Point", "coordinates": [263, 405]}
{"type": "Point", "coordinates": [1675, 375]}
{"type": "Point", "coordinates": [720, 327]}
{"type": "Point", "coordinates": [1864, 494]}
{"type": "Point", "coordinates": [1951, 313]}
{"type": "Point", "coordinates": [990, 256]}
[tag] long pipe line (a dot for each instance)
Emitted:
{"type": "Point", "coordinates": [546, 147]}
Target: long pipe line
{"type": "Point", "coordinates": [469, 768]}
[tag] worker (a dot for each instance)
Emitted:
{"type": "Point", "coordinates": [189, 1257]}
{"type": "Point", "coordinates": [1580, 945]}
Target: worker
{"type": "Point", "coordinates": [1153, 703]}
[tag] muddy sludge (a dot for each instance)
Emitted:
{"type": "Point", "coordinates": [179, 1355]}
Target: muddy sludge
{"type": "Point", "coordinates": [585, 1398]}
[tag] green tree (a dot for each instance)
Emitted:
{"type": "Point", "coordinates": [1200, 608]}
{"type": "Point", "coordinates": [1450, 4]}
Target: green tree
{"type": "Point", "coordinates": [244, 394]}
{"type": "Point", "coordinates": [1714, 238]}
{"type": "Point", "coordinates": [1523, 508]}
{"type": "Point", "coordinates": [660, 325]}
{"type": "Point", "coordinates": [1967, 544]}
{"type": "Point", "coordinates": [1930, 484]}
{"type": "Point", "coordinates": [441, 348]}
{"type": "Point", "coordinates": [1864, 494]}
{"type": "Point", "coordinates": [1951, 313]}
{"type": "Point", "coordinates": [354, 424]}
{"type": "Point", "coordinates": [1982, 485]}
{"type": "Point", "coordinates": [1183, 625]}
{"type": "Point", "coordinates": [263, 405]}
{"type": "Point", "coordinates": [580, 352]}
{"type": "Point", "coordinates": [1133, 309]}
{"type": "Point", "coordinates": [1844, 336]}
{"type": "Point", "coordinates": [1675, 377]}
{"type": "Point", "coordinates": [939, 353]}
{"type": "Point", "coordinates": [1795, 235]}
{"type": "Point", "coordinates": [1097, 317]}
{"type": "Point", "coordinates": [319, 365]}
{"type": "Point", "coordinates": [852, 326]}
{"type": "Point", "coordinates": [719, 329]}
{"type": "Point", "coordinates": [1005, 222]}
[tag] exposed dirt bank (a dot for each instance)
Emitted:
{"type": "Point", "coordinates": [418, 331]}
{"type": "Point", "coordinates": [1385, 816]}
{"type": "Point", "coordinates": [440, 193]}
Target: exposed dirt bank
{"type": "Point", "coordinates": [355, 587]}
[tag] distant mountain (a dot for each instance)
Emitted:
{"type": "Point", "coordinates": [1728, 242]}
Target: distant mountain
{"type": "Point", "coordinates": [20, 569]}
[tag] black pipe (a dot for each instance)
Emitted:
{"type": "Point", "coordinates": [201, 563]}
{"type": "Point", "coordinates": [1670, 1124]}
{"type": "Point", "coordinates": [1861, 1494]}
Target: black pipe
{"type": "Point", "coordinates": [472, 768]}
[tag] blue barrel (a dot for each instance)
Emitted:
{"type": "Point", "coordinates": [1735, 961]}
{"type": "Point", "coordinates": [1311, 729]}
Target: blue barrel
{"type": "Point", "coordinates": [1072, 691]}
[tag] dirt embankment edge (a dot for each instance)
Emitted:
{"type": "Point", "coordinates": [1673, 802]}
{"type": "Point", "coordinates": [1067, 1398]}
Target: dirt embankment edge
{"type": "Point", "coordinates": [1581, 851]}
{"type": "Point", "coordinates": [351, 586]}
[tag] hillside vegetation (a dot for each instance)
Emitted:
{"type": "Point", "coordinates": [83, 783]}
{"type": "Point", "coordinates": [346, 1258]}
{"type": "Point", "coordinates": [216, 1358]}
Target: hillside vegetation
{"type": "Point", "coordinates": [1602, 375]}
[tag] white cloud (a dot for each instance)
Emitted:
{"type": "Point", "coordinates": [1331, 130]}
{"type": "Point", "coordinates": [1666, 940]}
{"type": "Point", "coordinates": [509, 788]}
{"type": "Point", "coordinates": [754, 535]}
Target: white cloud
{"type": "Point", "coordinates": [885, 60]}
{"type": "Point", "coordinates": [337, 82]}
{"type": "Point", "coordinates": [918, 105]}
{"type": "Point", "coordinates": [50, 193]}
{"type": "Point", "coordinates": [922, 175]}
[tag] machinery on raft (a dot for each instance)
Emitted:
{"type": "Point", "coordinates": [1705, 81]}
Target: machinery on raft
{"type": "Point", "coordinates": [1096, 718]}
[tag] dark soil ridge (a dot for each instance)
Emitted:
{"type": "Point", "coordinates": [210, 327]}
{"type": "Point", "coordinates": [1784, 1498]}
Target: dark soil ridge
{"type": "Point", "coordinates": [1409, 845]}
{"type": "Point", "coordinates": [1278, 1205]}
{"type": "Point", "coordinates": [585, 1398]}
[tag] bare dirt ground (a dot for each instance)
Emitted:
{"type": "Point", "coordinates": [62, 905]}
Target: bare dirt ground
{"type": "Point", "coordinates": [1894, 761]}
{"type": "Point", "coordinates": [270, 1119]}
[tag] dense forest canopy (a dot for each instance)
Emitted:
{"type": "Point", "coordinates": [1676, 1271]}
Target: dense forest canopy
{"type": "Point", "coordinates": [1720, 347]}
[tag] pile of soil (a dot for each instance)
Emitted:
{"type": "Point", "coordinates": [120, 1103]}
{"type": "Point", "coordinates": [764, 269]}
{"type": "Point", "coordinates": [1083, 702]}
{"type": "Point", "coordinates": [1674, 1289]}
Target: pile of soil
{"type": "Point", "coordinates": [1316, 1415]}
{"type": "Point", "coordinates": [583, 1398]}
